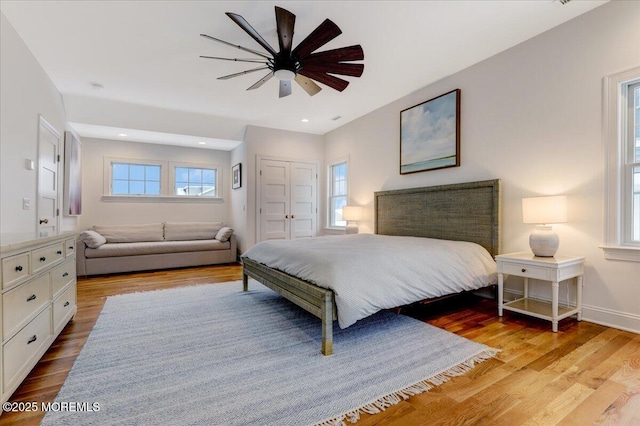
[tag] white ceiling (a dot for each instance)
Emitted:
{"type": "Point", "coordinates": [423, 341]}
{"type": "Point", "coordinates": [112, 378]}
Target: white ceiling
{"type": "Point", "coordinates": [156, 89]}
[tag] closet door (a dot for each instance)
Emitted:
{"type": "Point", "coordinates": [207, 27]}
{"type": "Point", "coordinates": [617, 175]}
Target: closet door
{"type": "Point", "coordinates": [288, 200]}
{"type": "Point", "coordinates": [304, 210]}
{"type": "Point", "coordinates": [275, 196]}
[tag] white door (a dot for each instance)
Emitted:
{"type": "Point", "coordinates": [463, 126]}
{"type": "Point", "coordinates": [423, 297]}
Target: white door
{"type": "Point", "coordinates": [304, 212]}
{"type": "Point", "coordinates": [288, 200]}
{"type": "Point", "coordinates": [48, 161]}
{"type": "Point", "coordinates": [274, 200]}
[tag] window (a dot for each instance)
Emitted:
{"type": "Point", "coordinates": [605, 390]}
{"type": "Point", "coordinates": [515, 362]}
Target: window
{"type": "Point", "coordinates": [194, 181]}
{"type": "Point", "coordinates": [622, 141]}
{"type": "Point", "coordinates": [135, 179]}
{"type": "Point", "coordinates": [337, 192]}
{"type": "Point", "coordinates": [141, 180]}
{"type": "Point", "coordinates": [633, 161]}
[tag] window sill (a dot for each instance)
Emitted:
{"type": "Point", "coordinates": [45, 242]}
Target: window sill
{"type": "Point", "coordinates": [158, 199]}
{"type": "Point", "coordinates": [629, 254]}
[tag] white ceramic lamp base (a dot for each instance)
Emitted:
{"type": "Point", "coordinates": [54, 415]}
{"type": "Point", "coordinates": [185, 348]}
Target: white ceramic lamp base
{"type": "Point", "coordinates": [351, 228]}
{"type": "Point", "coordinates": [543, 241]}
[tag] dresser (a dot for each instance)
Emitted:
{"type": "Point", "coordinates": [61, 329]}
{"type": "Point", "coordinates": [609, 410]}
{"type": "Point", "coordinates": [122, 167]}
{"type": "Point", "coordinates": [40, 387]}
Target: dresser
{"type": "Point", "coordinates": [38, 300]}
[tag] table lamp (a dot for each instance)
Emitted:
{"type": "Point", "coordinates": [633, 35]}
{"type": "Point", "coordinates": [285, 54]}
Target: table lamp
{"type": "Point", "coordinates": [351, 214]}
{"type": "Point", "coordinates": [544, 211]}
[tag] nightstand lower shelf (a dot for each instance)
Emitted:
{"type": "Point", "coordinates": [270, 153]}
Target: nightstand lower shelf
{"type": "Point", "coordinates": [539, 309]}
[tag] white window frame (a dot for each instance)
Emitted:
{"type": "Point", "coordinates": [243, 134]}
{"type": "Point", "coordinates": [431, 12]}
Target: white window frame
{"type": "Point", "coordinates": [172, 177]}
{"type": "Point", "coordinates": [330, 166]}
{"type": "Point", "coordinates": [618, 244]}
{"type": "Point", "coordinates": [167, 173]}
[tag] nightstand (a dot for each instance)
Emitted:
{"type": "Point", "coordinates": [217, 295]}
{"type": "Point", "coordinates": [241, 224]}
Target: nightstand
{"type": "Point", "coordinates": [552, 269]}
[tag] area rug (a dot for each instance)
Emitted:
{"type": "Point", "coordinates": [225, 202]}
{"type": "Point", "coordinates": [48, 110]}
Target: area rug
{"type": "Point", "coordinates": [214, 355]}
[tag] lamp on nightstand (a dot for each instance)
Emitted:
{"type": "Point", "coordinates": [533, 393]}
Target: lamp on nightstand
{"type": "Point", "coordinates": [543, 211]}
{"type": "Point", "coordinates": [351, 214]}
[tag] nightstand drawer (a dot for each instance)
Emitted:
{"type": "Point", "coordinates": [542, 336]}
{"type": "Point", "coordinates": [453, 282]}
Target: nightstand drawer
{"type": "Point", "coordinates": [14, 269]}
{"type": "Point", "coordinates": [526, 271]}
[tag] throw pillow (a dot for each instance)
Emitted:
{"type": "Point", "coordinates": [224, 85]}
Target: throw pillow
{"type": "Point", "coordinates": [92, 239]}
{"type": "Point", "coordinates": [224, 233]}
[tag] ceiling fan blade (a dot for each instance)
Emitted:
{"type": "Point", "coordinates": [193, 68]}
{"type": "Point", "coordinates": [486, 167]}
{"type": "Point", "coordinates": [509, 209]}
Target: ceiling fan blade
{"type": "Point", "coordinates": [340, 68]}
{"type": "Point", "coordinates": [242, 23]}
{"type": "Point", "coordinates": [257, 61]}
{"type": "Point", "coordinates": [285, 21]}
{"type": "Point", "coordinates": [343, 54]}
{"type": "Point", "coordinates": [322, 35]}
{"type": "Point", "coordinates": [246, 49]}
{"type": "Point", "coordinates": [226, 77]}
{"type": "Point", "coordinates": [330, 80]}
{"type": "Point", "coordinates": [261, 81]}
{"type": "Point", "coordinates": [285, 88]}
{"type": "Point", "coordinates": [308, 85]}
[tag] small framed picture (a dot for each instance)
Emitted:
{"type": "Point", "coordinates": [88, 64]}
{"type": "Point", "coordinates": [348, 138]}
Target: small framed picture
{"type": "Point", "coordinates": [236, 176]}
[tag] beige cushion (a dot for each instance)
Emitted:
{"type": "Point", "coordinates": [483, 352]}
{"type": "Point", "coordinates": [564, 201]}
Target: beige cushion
{"type": "Point", "coordinates": [131, 233]}
{"type": "Point", "coordinates": [224, 234]}
{"type": "Point", "coordinates": [188, 231]}
{"type": "Point", "coordinates": [92, 239]}
{"type": "Point", "coordinates": [144, 248]}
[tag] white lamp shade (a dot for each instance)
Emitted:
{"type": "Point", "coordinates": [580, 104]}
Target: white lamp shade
{"type": "Point", "coordinates": [351, 213]}
{"type": "Point", "coordinates": [544, 210]}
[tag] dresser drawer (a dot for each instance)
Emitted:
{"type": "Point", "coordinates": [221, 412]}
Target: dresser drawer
{"type": "Point", "coordinates": [64, 308]}
{"type": "Point", "coordinates": [46, 256]}
{"type": "Point", "coordinates": [20, 351]}
{"type": "Point", "coordinates": [69, 247]}
{"type": "Point", "coordinates": [527, 271]}
{"type": "Point", "coordinates": [61, 275]}
{"type": "Point", "coordinates": [21, 304]}
{"type": "Point", "coordinates": [15, 269]}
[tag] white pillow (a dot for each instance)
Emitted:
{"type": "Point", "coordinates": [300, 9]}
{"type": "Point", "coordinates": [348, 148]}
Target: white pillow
{"type": "Point", "coordinates": [224, 234]}
{"type": "Point", "coordinates": [92, 239]}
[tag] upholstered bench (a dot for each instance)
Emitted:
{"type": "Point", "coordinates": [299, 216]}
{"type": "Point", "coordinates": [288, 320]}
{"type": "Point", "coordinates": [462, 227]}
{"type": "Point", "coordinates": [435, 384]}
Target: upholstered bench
{"type": "Point", "coordinates": [128, 248]}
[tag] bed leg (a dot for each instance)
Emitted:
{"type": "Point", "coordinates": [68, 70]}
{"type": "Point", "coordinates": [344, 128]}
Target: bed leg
{"type": "Point", "coordinates": [327, 325]}
{"type": "Point", "coordinates": [245, 282]}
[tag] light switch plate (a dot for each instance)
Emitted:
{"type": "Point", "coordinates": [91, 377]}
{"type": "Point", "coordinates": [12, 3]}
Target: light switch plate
{"type": "Point", "coordinates": [26, 204]}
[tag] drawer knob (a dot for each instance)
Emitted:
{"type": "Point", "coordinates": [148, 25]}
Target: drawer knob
{"type": "Point", "coordinates": [33, 339]}
{"type": "Point", "coordinates": [32, 297]}
{"type": "Point", "coordinates": [66, 304]}
{"type": "Point", "coordinates": [42, 259]}
{"type": "Point", "coordinates": [66, 274]}
{"type": "Point", "coordinates": [19, 268]}
{"type": "Point", "coordinates": [70, 247]}
{"type": "Point", "coordinates": [59, 252]}
{"type": "Point", "coordinates": [524, 270]}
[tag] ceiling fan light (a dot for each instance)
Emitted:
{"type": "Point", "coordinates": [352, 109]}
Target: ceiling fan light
{"type": "Point", "coordinates": [284, 74]}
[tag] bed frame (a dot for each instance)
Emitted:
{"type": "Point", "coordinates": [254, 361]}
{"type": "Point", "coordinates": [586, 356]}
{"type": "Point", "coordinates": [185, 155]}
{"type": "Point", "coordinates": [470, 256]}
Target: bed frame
{"type": "Point", "coordinates": [464, 212]}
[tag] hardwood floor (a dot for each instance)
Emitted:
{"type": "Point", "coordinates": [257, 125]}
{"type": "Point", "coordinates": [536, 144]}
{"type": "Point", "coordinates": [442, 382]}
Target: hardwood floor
{"type": "Point", "coordinates": [584, 374]}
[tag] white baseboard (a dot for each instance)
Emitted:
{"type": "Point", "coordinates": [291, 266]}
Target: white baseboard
{"type": "Point", "coordinates": [602, 316]}
{"type": "Point", "coordinates": [610, 318]}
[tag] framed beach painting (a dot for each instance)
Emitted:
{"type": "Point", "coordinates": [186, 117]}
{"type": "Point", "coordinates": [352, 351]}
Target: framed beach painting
{"type": "Point", "coordinates": [430, 134]}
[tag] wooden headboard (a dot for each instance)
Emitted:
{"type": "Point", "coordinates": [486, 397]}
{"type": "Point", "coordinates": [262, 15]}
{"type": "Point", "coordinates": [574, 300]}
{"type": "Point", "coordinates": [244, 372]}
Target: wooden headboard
{"type": "Point", "coordinates": [463, 212]}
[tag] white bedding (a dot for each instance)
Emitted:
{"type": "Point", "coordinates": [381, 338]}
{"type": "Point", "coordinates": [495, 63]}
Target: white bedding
{"type": "Point", "coordinates": [368, 273]}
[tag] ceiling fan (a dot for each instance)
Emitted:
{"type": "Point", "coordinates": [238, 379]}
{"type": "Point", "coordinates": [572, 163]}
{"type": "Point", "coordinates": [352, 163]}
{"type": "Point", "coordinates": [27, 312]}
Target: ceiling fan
{"type": "Point", "coordinates": [299, 64]}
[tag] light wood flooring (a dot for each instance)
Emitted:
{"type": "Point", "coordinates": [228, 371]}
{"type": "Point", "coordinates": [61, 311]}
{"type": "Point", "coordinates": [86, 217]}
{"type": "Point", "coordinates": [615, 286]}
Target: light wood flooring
{"type": "Point", "coordinates": [584, 374]}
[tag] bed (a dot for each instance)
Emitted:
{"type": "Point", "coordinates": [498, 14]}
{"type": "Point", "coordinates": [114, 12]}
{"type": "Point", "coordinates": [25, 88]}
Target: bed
{"type": "Point", "coordinates": [468, 213]}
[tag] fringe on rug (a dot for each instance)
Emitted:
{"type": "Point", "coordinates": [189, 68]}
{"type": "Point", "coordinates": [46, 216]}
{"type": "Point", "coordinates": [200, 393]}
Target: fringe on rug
{"type": "Point", "coordinates": [425, 385]}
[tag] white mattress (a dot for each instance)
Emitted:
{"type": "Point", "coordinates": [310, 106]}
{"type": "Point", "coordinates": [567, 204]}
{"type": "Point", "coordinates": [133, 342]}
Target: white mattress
{"type": "Point", "coordinates": [368, 273]}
